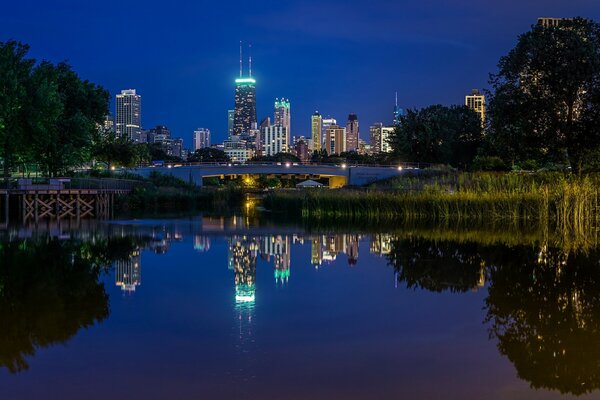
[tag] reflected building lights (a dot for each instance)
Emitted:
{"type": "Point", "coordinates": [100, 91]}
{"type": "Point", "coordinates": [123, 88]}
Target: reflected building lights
{"type": "Point", "coordinates": [128, 273]}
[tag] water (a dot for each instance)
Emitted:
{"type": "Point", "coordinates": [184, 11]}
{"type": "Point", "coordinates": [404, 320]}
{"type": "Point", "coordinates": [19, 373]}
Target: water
{"type": "Point", "coordinates": [226, 308]}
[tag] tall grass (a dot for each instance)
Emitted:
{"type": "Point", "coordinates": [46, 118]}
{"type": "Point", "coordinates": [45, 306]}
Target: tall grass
{"type": "Point", "coordinates": [568, 202]}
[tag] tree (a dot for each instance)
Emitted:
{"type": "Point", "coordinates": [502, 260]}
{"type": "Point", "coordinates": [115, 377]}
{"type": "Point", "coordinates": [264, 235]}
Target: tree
{"type": "Point", "coordinates": [115, 151]}
{"type": "Point", "coordinates": [546, 104]}
{"type": "Point", "coordinates": [208, 154]}
{"type": "Point", "coordinates": [62, 129]}
{"type": "Point", "coordinates": [15, 70]}
{"type": "Point", "coordinates": [438, 134]}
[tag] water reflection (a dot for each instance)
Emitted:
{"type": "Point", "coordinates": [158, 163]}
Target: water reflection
{"type": "Point", "coordinates": [543, 303]}
{"type": "Point", "coordinates": [542, 297]}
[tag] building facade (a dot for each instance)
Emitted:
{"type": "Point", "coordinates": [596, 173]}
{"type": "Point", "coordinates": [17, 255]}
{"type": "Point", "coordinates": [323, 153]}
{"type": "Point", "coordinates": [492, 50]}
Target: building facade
{"type": "Point", "coordinates": [244, 113]}
{"type": "Point", "coordinates": [230, 118]}
{"type": "Point", "coordinates": [201, 138]}
{"type": "Point", "coordinates": [316, 129]}
{"type": "Point", "coordinates": [282, 115]}
{"type": "Point", "coordinates": [380, 135]}
{"type": "Point", "coordinates": [128, 116]}
{"type": "Point", "coordinates": [476, 102]}
{"type": "Point", "coordinates": [301, 150]}
{"type": "Point", "coordinates": [335, 139]}
{"type": "Point", "coordinates": [352, 133]}
{"type": "Point", "coordinates": [274, 140]}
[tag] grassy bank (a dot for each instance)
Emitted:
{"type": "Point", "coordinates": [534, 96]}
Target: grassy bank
{"type": "Point", "coordinates": [166, 194]}
{"type": "Point", "coordinates": [569, 202]}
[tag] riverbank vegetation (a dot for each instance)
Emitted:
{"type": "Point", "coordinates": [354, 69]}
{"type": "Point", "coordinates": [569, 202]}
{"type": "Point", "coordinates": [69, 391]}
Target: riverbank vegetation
{"type": "Point", "coordinates": [567, 201]}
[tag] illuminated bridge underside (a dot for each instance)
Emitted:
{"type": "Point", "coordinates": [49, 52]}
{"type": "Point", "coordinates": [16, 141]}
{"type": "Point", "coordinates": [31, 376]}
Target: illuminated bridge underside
{"type": "Point", "coordinates": [337, 175]}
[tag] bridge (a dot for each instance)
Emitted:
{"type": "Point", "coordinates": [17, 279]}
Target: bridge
{"type": "Point", "coordinates": [337, 175]}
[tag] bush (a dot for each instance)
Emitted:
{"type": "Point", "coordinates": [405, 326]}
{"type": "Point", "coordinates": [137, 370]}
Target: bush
{"type": "Point", "coordinates": [489, 163]}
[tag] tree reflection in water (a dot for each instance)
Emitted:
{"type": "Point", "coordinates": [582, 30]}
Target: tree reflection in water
{"type": "Point", "coordinates": [49, 290]}
{"type": "Point", "coordinates": [543, 304]}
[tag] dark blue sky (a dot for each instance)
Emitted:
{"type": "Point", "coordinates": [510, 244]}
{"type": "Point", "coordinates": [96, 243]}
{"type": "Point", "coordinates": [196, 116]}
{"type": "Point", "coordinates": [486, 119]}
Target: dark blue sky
{"type": "Point", "coordinates": [333, 56]}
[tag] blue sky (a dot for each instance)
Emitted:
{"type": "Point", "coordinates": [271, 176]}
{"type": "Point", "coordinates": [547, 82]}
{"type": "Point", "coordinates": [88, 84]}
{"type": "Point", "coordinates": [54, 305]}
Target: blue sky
{"type": "Point", "coordinates": [337, 57]}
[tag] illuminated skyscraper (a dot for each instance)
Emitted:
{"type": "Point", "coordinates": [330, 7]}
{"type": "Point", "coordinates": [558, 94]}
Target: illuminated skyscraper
{"type": "Point", "coordinates": [476, 102]}
{"type": "Point", "coordinates": [398, 112]}
{"type": "Point", "coordinates": [283, 116]}
{"type": "Point", "coordinates": [242, 259]}
{"type": "Point", "coordinates": [335, 139]}
{"type": "Point", "coordinates": [128, 120]}
{"type": "Point", "coordinates": [380, 135]}
{"type": "Point", "coordinates": [274, 140]}
{"type": "Point", "coordinates": [352, 133]}
{"type": "Point", "coordinates": [230, 117]}
{"type": "Point", "coordinates": [201, 138]}
{"type": "Point", "coordinates": [244, 117]}
{"type": "Point", "coordinates": [316, 127]}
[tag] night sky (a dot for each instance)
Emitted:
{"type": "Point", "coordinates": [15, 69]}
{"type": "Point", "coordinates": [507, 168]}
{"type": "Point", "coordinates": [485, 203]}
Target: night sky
{"type": "Point", "coordinates": [336, 57]}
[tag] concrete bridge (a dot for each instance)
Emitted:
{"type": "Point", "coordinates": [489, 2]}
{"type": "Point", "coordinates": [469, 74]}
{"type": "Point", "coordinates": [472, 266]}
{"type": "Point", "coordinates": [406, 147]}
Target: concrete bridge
{"type": "Point", "coordinates": [337, 175]}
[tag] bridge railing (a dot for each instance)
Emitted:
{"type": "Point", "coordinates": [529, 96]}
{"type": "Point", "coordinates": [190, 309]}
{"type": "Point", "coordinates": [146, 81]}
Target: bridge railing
{"type": "Point", "coordinates": [406, 165]}
{"type": "Point", "coordinates": [104, 184]}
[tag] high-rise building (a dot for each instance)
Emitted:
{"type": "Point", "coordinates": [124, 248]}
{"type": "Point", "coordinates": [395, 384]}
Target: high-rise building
{"type": "Point", "coordinates": [230, 117]}
{"type": "Point", "coordinates": [316, 128]}
{"type": "Point", "coordinates": [128, 120]}
{"type": "Point", "coordinates": [201, 138]}
{"type": "Point", "coordinates": [476, 102]}
{"type": "Point", "coordinates": [380, 136]}
{"type": "Point", "coordinates": [301, 150]}
{"type": "Point", "coordinates": [282, 115]}
{"type": "Point", "coordinates": [335, 139]}
{"type": "Point", "coordinates": [159, 133]}
{"type": "Point", "coordinates": [352, 133]}
{"type": "Point", "coordinates": [109, 124]}
{"type": "Point", "coordinates": [274, 140]}
{"type": "Point", "coordinates": [548, 22]}
{"type": "Point", "coordinates": [244, 113]}
{"type": "Point", "coordinates": [398, 112]}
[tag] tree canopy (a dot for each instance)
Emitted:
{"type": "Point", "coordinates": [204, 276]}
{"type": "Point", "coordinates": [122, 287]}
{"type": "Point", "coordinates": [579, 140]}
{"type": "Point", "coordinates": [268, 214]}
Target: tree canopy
{"type": "Point", "coordinates": [546, 100]}
{"type": "Point", "coordinates": [438, 134]}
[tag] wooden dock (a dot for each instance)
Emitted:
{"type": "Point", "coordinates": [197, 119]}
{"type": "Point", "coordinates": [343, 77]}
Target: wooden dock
{"type": "Point", "coordinates": [93, 199]}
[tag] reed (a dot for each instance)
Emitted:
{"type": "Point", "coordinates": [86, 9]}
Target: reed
{"type": "Point", "coordinates": [567, 202]}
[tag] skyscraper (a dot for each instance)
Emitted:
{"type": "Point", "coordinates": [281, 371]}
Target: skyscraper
{"type": "Point", "coordinates": [230, 116]}
{"type": "Point", "coordinates": [547, 22]}
{"type": "Point", "coordinates": [476, 102]}
{"type": "Point", "coordinates": [352, 133]}
{"type": "Point", "coordinates": [282, 115]}
{"type": "Point", "coordinates": [398, 112]}
{"type": "Point", "coordinates": [316, 127]}
{"type": "Point", "coordinates": [274, 140]}
{"type": "Point", "coordinates": [335, 139]}
{"type": "Point", "coordinates": [380, 138]}
{"type": "Point", "coordinates": [244, 116]}
{"type": "Point", "coordinates": [201, 138]}
{"type": "Point", "coordinates": [128, 120]}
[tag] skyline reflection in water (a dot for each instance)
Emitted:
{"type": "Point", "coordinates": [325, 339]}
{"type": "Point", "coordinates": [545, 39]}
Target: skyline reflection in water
{"type": "Point", "coordinates": [539, 303]}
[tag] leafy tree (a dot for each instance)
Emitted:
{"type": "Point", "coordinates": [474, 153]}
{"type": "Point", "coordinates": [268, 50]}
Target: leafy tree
{"type": "Point", "coordinates": [15, 71]}
{"type": "Point", "coordinates": [546, 104]}
{"type": "Point", "coordinates": [113, 150]}
{"type": "Point", "coordinates": [63, 117]}
{"type": "Point", "coordinates": [438, 134]}
{"type": "Point", "coordinates": [209, 154]}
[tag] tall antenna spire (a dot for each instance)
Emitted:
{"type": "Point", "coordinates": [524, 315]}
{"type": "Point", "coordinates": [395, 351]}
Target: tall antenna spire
{"type": "Point", "coordinates": [240, 58]}
{"type": "Point", "coordinates": [396, 99]}
{"type": "Point", "coordinates": [250, 58]}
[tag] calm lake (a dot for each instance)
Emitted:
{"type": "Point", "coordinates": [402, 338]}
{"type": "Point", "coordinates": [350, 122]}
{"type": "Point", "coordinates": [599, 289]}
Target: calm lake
{"type": "Point", "coordinates": [232, 308]}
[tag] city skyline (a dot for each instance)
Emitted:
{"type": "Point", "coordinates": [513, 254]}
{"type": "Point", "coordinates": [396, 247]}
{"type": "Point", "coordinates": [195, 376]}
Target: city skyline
{"type": "Point", "coordinates": [435, 57]}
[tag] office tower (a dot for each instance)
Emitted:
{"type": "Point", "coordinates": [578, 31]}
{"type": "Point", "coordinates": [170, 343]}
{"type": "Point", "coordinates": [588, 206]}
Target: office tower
{"type": "Point", "coordinates": [326, 123]}
{"type": "Point", "coordinates": [245, 101]}
{"type": "Point", "coordinates": [547, 22]}
{"type": "Point", "coordinates": [380, 136]}
{"type": "Point", "coordinates": [128, 120]}
{"type": "Point", "coordinates": [230, 117]}
{"type": "Point", "coordinates": [266, 121]}
{"type": "Point", "coordinates": [476, 102]}
{"type": "Point", "coordinates": [301, 150]}
{"type": "Point", "coordinates": [398, 112]}
{"type": "Point", "coordinates": [282, 115]}
{"type": "Point", "coordinates": [352, 133]}
{"type": "Point", "coordinates": [201, 138]}
{"type": "Point", "coordinates": [335, 139]}
{"type": "Point", "coordinates": [242, 259]}
{"type": "Point", "coordinates": [316, 128]}
{"type": "Point", "coordinates": [109, 124]}
{"type": "Point", "coordinates": [274, 140]}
